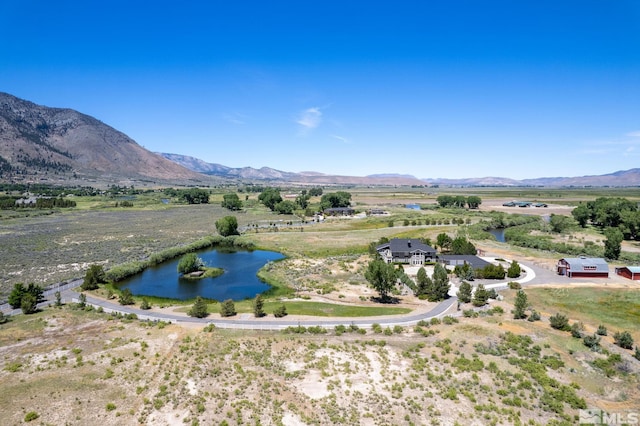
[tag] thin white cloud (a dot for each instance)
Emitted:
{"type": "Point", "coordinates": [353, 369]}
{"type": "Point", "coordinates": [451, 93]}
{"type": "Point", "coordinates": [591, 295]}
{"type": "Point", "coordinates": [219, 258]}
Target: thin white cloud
{"type": "Point", "coordinates": [310, 118]}
{"type": "Point", "coordinates": [340, 138]}
{"type": "Point", "coordinates": [234, 118]}
{"type": "Point", "coordinates": [625, 145]}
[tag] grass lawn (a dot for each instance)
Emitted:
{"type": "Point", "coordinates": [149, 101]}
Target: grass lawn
{"type": "Point", "coordinates": [312, 308]}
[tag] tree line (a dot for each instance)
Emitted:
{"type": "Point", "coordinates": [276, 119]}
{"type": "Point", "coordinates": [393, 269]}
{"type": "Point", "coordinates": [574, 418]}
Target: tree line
{"type": "Point", "coordinates": [459, 201]}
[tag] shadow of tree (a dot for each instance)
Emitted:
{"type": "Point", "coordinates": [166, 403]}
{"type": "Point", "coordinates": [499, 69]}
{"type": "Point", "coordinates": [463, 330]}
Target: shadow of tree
{"type": "Point", "coordinates": [389, 300]}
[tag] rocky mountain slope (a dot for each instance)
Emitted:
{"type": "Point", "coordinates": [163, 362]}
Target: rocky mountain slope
{"type": "Point", "coordinates": [38, 143]}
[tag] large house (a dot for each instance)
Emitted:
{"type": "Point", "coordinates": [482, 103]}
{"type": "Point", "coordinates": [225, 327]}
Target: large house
{"type": "Point", "coordinates": [583, 267]}
{"type": "Point", "coordinates": [403, 250]}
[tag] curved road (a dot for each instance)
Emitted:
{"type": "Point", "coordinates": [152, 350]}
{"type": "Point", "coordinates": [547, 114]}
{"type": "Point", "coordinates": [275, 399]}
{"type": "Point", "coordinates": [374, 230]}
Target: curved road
{"type": "Point", "coordinates": [448, 306]}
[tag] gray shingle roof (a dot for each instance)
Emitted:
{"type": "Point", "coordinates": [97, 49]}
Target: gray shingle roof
{"type": "Point", "coordinates": [406, 246]}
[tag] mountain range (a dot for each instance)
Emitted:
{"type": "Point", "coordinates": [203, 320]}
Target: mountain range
{"type": "Point", "coordinates": [58, 145]}
{"type": "Point", "coordinates": [620, 178]}
{"type": "Point", "coordinates": [62, 146]}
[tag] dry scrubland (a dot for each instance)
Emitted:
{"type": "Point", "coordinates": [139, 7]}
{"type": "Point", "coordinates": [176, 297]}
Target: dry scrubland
{"type": "Point", "coordinates": [74, 367]}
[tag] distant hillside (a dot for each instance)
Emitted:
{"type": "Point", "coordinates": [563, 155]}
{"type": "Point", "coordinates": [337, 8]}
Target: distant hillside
{"type": "Point", "coordinates": [56, 145]}
{"type": "Point", "coordinates": [277, 176]}
{"type": "Point", "coordinates": [620, 178]}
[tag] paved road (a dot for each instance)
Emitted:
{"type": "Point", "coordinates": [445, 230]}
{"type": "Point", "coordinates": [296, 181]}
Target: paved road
{"type": "Point", "coordinates": [533, 275]}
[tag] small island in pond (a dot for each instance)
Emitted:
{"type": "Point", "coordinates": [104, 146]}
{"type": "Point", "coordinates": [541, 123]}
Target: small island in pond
{"type": "Point", "coordinates": [192, 267]}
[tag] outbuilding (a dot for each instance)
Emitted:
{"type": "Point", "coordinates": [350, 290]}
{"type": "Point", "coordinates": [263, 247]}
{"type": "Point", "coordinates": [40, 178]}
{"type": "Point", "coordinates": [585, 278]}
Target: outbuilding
{"type": "Point", "coordinates": [630, 272]}
{"type": "Point", "coordinates": [583, 267]}
{"type": "Point", "coordinates": [463, 259]}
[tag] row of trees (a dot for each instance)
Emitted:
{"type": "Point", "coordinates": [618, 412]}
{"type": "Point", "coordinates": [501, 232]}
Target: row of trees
{"type": "Point", "coordinates": [458, 245]}
{"type": "Point", "coordinates": [459, 201]}
{"type": "Point", "coordinates": [190, 196]}
{"type": "Point", "coordinates": [228, 308]}
{"type": "Point", "coordinates": [610, 212]}
{"type": "Point", "coordinates": [272, 199]}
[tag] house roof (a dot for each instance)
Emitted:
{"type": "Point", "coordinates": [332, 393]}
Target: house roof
{"type": "Point", "coordinates": [634, 269]}
{"type": "Point", "coordinates": [405, 245]}
{"type": "Point", "coordinates": [474, 261]}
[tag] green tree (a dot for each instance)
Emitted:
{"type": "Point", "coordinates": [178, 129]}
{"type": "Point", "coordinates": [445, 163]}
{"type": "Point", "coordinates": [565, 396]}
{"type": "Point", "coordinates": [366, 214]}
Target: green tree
{"type": "Point", "coordinates": [624, 339]}
{"type": "Point", "coordinates": [560, 223]}
{"type": "Point", "coordinates": [270, 197]}
{"type": "Point", "coordinates": [15, 297]}
{"type": "Point", "coordinates": [231, 202]}
{"type": "Point", "coordinates": [480, 296]}
{"type": "Point", "coordinates": [443, 241]}
{"type": "Point", "coordinates": [514, 270]}
{"type": "Point", "coordinates": [195, 196]}
{"type": "Point", "coordinates": [82, 300]}
{"type": "Point", "coordinates": [145, 305]}
{"type": "Point", "coordinates": [381, 276]}
{"type": "Point", "coordinates": [302, 201]}
{"type": "Point", "coordinates": [280, 311]}
{"type": "Point", "coordinates": [28, 304]}
{"type": "Point", "coordinates": [460, 245]}
{"type": "Point", "coordinates": [199, 308]}
{"type": "Point", "coordinates": [19, 291]}
{"type": "Point", "coordinates": [58, 297]}
{"type": "Point", "coordinates": [227, 226]}
{"type": "Point", "coordinates": [227, 308]}
{"type": "Point", "coordinates": [520, 305]}
{"type": "Point", "coordinates": [591, 341]}
{"type": "Point", "coordinates": [315, 192]}
{"type": "Point", "coordinates": [473, 201]}
{"type": "Point", "coordinates": [612, 245]}
{"type": "Point", "coordinates": [190, 262]}
{"type": "Point", "coordinates": [284, 207]}
{"type": "Point", "coordinates": [464, 292]}
{"type": "Point", "coordinates": [258, 307]}
{"type": "Point", "coordinates": [559, 322]}
{"type": "Point", "coordinates": [3, 318]}
{"type": "Point", "coordinates": [126, 298]}
{"type": "Point", "coordinates": [581, 214]}
{"type": "Point", "coordinates": [445, 201]}
{"type": "Point", "coordinates": [464, 272]}
{"type": "Point", "coordinates": [335, 200]}
{"type": "Point", "coordinates": [441, 284]}
{"type": "Point", "coordinates": [424, 282]}
{"type": "Point", "coordinates": [94, 276]}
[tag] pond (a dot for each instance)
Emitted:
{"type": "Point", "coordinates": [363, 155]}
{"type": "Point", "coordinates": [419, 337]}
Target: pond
{"type": "Point", "coordinates": [498, 233]}
{"type": "Point", "coordinates": [239, 281]}
{"type": "Point", "coordinates": [413, 206]}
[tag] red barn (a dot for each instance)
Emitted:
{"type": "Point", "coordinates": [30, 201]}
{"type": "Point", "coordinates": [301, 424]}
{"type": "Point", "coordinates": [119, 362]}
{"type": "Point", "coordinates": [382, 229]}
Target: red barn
{"type": "Point", "coordinates": [583, 267]}
{"type": "Point", "coordinates": [630, 272]}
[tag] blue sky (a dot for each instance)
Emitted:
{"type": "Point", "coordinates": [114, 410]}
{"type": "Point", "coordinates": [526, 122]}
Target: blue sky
{"type": "Point", "coordinates": [450, 89]}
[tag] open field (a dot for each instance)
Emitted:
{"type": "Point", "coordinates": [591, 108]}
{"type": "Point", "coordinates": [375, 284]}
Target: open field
{"type": "Point", "coordinates": [486, 370]}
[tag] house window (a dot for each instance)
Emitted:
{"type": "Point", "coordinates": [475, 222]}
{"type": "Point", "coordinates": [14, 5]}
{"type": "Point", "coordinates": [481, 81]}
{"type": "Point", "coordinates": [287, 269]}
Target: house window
{"type": "Point", "coordinates": [590, 268]}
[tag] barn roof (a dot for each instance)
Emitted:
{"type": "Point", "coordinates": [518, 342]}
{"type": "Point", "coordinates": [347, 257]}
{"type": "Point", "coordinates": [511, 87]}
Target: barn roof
{"type": "Point", "coordinates": [582, 262]}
